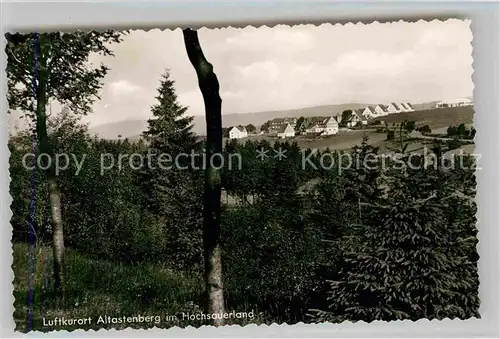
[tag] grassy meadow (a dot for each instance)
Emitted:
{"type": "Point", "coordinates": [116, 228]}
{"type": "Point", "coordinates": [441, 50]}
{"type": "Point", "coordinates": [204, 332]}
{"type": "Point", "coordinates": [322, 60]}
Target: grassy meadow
{"type": "Point", "coordinates": [104, 288]}
{"type": "Point", "coordinates": [438, 120]}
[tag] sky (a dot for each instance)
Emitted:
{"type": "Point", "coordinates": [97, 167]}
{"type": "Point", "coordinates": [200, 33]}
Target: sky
{"type": "Point", "coordinates": [283, 67]}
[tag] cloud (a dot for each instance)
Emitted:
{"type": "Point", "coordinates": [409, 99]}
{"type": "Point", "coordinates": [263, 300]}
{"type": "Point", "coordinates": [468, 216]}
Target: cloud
{"type": "Point", "coordinates": [285, 67]}
{"type": "Point", "coordinates": [123, 88]}
{"type": "Point", "coordinates": [263, 70]}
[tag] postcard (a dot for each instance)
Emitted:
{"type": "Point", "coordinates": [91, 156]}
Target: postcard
{"type": "Point", "coordinates": [235, 176]}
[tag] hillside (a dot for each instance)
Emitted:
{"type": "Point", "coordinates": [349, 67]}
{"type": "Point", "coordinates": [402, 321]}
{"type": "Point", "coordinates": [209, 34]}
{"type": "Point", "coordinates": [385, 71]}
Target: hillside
{"type": "Point", "coordinates": [127, 129]}
{"type": "Point", "coordinates": [133, 128]}
{"type": "Point", "coordinates": [436, 117]}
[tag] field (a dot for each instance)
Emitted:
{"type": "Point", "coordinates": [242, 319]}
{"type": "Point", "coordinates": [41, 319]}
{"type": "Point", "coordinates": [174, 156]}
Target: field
{"type": "Point", "coordinates": [105, 288]}
{"type": "Point", "coordinates": [438, 119]}
{"type": "Point", "coordinates": [435, 118]}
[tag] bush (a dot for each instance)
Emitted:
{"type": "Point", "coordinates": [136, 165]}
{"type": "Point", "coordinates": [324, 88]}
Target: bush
{"type": "Point", "coordinates": [412, 257]}
{"type": "Point", "coordinates": [453, 144]}
{"type": "Point", "coordinates": [425, 129]}
{"type": "Point", "coordinates": [390, 135]}
{"type": "Point", "coordinates": [268, 264]}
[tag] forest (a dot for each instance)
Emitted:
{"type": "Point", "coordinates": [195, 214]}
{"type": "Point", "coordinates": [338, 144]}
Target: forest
{"type": "Point", "coordinates": [314, 244]}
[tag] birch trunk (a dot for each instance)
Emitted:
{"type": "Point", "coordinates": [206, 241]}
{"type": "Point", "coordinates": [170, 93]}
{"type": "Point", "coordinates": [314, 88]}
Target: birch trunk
{"type": "Point", "coordinates": [209, 86]}
{"type": "Point", "coordinates": [54, 193]}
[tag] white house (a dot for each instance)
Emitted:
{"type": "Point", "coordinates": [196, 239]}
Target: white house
{"type": "Point", "coordinates": [369, 112]}
{"type": "Point", "coordinates": [276, 123]}
{"type": "Point", "coordinates": [323, 126]}
{"type": "Point", "coordinates": [356, 116]}
{"type": "Point", "coordinates": [404, 107]}
{"type": "Point", "coordinates": [331, 126]}
{"type": "Point", "coordinates": [381, 110]}
{"type": "Point", "coordinates": [238, 132]}
{"type": "Point", "coordinates": [454, 103]}
{"type": "Point", "coordinates": [286, 131]}
{"type": "Point", "coordinates": [394, 108]}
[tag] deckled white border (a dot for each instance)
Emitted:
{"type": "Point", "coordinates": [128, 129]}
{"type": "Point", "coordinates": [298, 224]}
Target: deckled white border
{"type": "Point", "coordinates": [24, 16]}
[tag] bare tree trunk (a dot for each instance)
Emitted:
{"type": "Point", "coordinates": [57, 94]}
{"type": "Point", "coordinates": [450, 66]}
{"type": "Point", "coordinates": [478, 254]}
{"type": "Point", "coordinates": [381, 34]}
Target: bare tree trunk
{"type": "Point", "coordinates": [54, 193]}
{"type": "Point", "coordinates": [209, 86]}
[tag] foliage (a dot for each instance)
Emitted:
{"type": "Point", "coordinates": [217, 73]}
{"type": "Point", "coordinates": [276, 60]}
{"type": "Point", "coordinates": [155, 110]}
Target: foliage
{"type": "Point", "coordinates": [250, 128]}
{"type": "Point", "coordinates": [170, 196]}
{"type": "Point", "coordinates": [299, 126]}
{"type": "Point", "coordinates": [409, 126]}
{"type": "Point", "coordinates": [98, 287]}
{"type": "Point", "coordinates": [424, 129]}
{"type": "Point", "coordinates": [269, 261]}
{"type": "Point", "coordinates": [453, 144]}
{"type": "Point", "coordinates": [346, 115]}
{"type": "Point", "coordinates": [282, 248]}
{"type": "Point", "coordinates": [461, 132]}
{"type": "Point", "coordinates": [265, 127]}
{"type": "Point", "coordinates": [390, 135]}
{"type": "Point", "coordinates": [346, 241]}
{"type": "Point", "coordinates": [63, 58]}
{"type": "Point", "coordinates": [412, 257]}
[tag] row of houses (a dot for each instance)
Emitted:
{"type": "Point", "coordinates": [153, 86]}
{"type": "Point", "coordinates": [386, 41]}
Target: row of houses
{"type": "Point", "coordinates": [363, 115]}
{"type": "Point", "coordinates": [454, 103]}
{"type": "Point", "coordinates": [329, 125]}
{"type": "Point", "coordinates": [371, 112]}
{"type": "Point", "coordinates": [287, 127]}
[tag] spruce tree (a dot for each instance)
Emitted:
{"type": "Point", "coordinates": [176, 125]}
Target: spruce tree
{"type": "Point", "coordinates": [412, 257]}
{"type": "Point", "coordinates": [169, 130]}
{"type": "Point", "coordinates": [171, 190]}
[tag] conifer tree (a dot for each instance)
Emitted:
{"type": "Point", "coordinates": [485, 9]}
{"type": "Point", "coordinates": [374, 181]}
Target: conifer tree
{"type": "Point", "coordinates": [169, 129]}
{"type": "Point", "coordinates": [412, 257]}
{"type": "Point", "coordinates": [171, 188]}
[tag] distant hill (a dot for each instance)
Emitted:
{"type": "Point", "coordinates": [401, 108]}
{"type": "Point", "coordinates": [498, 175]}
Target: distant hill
{"type": "Point", "coordinates": [132, 129]}
{"type": "Point", "coordinates": [126, 128]}
{"type": "Point", "coordinates": [425, 105]}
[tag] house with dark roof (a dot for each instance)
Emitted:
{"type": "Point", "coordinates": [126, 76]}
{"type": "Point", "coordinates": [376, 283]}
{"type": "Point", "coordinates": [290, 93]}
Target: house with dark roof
{"type": "Point", "coordinates": [238, 132]}
{"type": "Point", "coordinates": [276, 123]}
{"type": "Point", "coordinates": [410, 106]}
{"type": "Point", "coordinates": [369, 112]}
{"type": "Point", "coordinates": [381, 110]}
{"type": "Point", "coordinates": [356, 117]}
{"type": "Point", "coordinates": [286, 131]}
{"type": "Point", "coordinates": [322, 126]}
{"type": "Point", "coordinates": [394, 108]}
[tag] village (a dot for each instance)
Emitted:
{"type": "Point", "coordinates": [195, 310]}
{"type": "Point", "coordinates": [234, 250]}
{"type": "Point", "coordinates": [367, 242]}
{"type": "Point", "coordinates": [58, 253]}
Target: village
{"type": "Point", "coordinates": [347, 120]}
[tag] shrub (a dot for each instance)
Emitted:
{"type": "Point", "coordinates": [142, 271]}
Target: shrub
{"type": "Point", "coordinates": [412, 257]}
{"type": "Point", "coordinates": [390, 135]}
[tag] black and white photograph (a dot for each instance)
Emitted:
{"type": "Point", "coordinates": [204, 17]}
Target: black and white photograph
{"type": "Point", "coordinates": [233, 176]}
